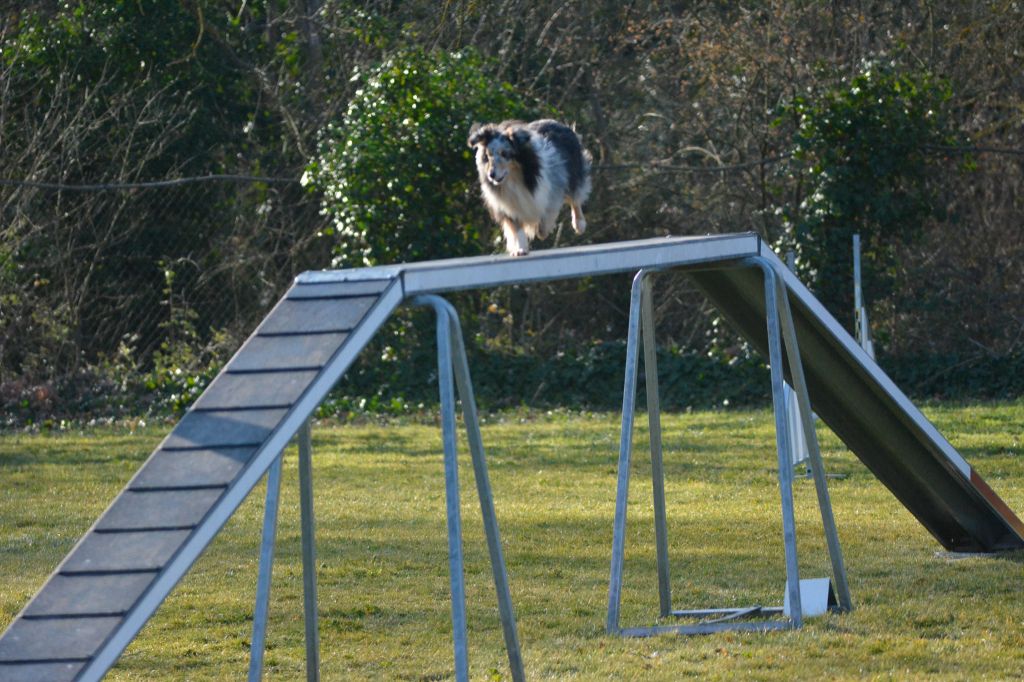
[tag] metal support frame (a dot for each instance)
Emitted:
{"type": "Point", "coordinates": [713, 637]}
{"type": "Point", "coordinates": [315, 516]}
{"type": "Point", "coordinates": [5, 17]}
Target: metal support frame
{"type": "Point", "coordinates": [308, 524]}
{"type": "Point", "coordinates": [451, 359]}
{"type": "Point", "coordinates": [258, 643]}
{"type": "Point", "coordinates": [453, 370]}
{"type": "Point", "coordinates": [780, 328]}
{"type": "Point", "coordinates": [798, 443]}
{"type": "Point", "coordinates": [799, 383]}
{"type": "Point", "coordinates": [309, 596]}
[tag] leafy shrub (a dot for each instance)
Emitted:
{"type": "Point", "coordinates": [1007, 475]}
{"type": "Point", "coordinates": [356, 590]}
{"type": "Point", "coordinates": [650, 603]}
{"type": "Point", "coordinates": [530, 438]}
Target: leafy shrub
{"type": "Point", "coordinates": [396, 176]}
{"type": "Point", "coordinates": [588, 377]}
{"type": "Point", "coordinates": [866, 145]}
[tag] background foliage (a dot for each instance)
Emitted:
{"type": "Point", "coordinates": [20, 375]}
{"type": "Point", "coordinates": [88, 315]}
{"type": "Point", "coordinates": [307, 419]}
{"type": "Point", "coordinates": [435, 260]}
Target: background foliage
{"type": "Point", "coordinates": [871, 146]}
{"type": "Point", "coordinates": [395, 175]}
{"type": "Point", "coordinates": [703, 118]}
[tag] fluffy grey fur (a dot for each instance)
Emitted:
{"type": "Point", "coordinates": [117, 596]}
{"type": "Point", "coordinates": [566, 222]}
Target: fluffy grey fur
{"type": "Point", "coordinates": [527, 171]}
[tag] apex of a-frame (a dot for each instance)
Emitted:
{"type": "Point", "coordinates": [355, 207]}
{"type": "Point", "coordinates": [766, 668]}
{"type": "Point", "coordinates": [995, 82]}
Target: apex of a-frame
{"type": "Point", "coordinates": [453, 274]}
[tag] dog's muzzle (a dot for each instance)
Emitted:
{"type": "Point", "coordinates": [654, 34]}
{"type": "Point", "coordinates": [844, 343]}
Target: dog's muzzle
{"type": "Point", "coordinates": [491, 178]}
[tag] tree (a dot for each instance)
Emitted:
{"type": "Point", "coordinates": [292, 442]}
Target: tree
{"type": "Point", "coordinates": [867, 146]}
{"type": "Point", "coordinates": [396, 175]}
{"type": "Point", "coordinates": [120, 92]}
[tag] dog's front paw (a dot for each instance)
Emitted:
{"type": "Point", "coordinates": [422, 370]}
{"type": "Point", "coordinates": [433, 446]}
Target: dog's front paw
{"type": "Point", "coordinates": [516, 253]}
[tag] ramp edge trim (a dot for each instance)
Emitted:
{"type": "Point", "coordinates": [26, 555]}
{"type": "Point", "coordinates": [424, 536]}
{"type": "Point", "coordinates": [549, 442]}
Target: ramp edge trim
{"type": "Point", "coordinates": [477, 272]}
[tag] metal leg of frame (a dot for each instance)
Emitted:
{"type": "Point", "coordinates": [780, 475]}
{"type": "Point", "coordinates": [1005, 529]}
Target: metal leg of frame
{"type": "Point", "coordinates": [641, 322]}
{"type": "Point", "coordinates": [259, 620]}
{"type": "Point", "coordinates": [452, 360]}
{"type": "Point", "coordinates": [625, 459]}
{"type": "Point", "coordinates": [654, 427]}
{"type": "Point", "coordinates": [308, 553]}
{"type": "Point", "coordinates": [782, 440]}
{"type": "Point", "coordinates": [483, 487]}
{"type": "Point", "coordinates": [451, 487]}
{"type": "Point", "coordinates": [813, 450]}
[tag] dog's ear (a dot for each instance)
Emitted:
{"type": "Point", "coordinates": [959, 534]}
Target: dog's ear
{"type": "Point", "coordinates": [475, 135]}
{"type": "Point", "coordinates": [519, 137]}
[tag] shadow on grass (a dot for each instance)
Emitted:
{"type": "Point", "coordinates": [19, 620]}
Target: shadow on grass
{"type": "Point", "coordinates": [1013, 556]}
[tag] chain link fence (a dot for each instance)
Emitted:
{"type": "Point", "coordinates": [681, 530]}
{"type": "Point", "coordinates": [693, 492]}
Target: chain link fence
{"type": "Point", "coordinates": [107, 290]}
{"type": "Point", "coordinates": [97, 274]}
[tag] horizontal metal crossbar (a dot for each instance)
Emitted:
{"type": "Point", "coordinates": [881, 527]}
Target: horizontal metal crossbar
{"type": "Point", "coordinates": [483, 272]}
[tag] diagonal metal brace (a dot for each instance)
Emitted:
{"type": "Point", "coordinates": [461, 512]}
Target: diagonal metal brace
{"type": "Point", "coordinates": [309, 588]}
{"type": "Point", "coordinates": [451, 359]}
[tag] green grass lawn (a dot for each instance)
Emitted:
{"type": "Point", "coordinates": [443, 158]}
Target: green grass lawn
{"type": "Point", "coordinates": [384, 610]}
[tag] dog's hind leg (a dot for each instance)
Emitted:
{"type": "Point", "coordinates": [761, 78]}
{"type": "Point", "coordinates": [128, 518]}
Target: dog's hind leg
{"type": "Point", "coordinates": [579, 223]}
{"type": "Point", "coordinates": [547, 225]}
{"type": "Point", "coordinates": [516, 241]}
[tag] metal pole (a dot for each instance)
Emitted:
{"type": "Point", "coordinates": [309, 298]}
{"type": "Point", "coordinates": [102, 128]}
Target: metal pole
{"type": "Point", "coordinates": [451, 486]}
{"type": "Point", "coordinates": [813, 451]}
{"type": "Point", "coordinates": [308, 553]}
{"type": "Point", "coordinates": [657, 468]}
{"type": "Point", "coordinates": [862, 329]}
{"type": "Point", "coordinates": [259, 619]}
{"type": "Point", "coordinates": [798, 443]}
{"type": "Point", "coordinates": [483, 486]}
{"type": "Point", "coordinates": [858, 301]}
{"type": "Point", "coordinates": [625, 455]}
{"type": "Point", "coordinates": [451, 359]}
{"type": "Point", "coordinates": [783, 441]}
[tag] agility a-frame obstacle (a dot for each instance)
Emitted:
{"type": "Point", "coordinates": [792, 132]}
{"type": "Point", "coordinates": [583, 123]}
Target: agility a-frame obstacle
{"type": "Point", "coordinates": [115, 578]}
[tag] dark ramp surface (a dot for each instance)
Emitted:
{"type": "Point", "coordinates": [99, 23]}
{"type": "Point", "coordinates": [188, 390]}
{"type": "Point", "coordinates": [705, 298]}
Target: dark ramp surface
{"type": "Point", "coordinates": [859, 402]}
{"type": "Point", "coordinates": [119, 572]}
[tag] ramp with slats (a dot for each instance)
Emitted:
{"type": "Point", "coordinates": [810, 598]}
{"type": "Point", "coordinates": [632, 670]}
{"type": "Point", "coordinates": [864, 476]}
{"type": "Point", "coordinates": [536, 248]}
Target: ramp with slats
{"type": "Point", "coordinates": [120, 571]}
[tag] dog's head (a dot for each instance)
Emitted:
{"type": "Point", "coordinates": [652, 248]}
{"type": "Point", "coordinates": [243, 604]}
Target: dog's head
{"type": "Point", "coordinates": [498, 149]}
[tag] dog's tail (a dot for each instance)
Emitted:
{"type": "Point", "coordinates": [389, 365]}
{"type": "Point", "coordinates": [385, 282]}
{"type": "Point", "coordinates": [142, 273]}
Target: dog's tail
{"type": "Point", "coordinates": [582, 191]}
